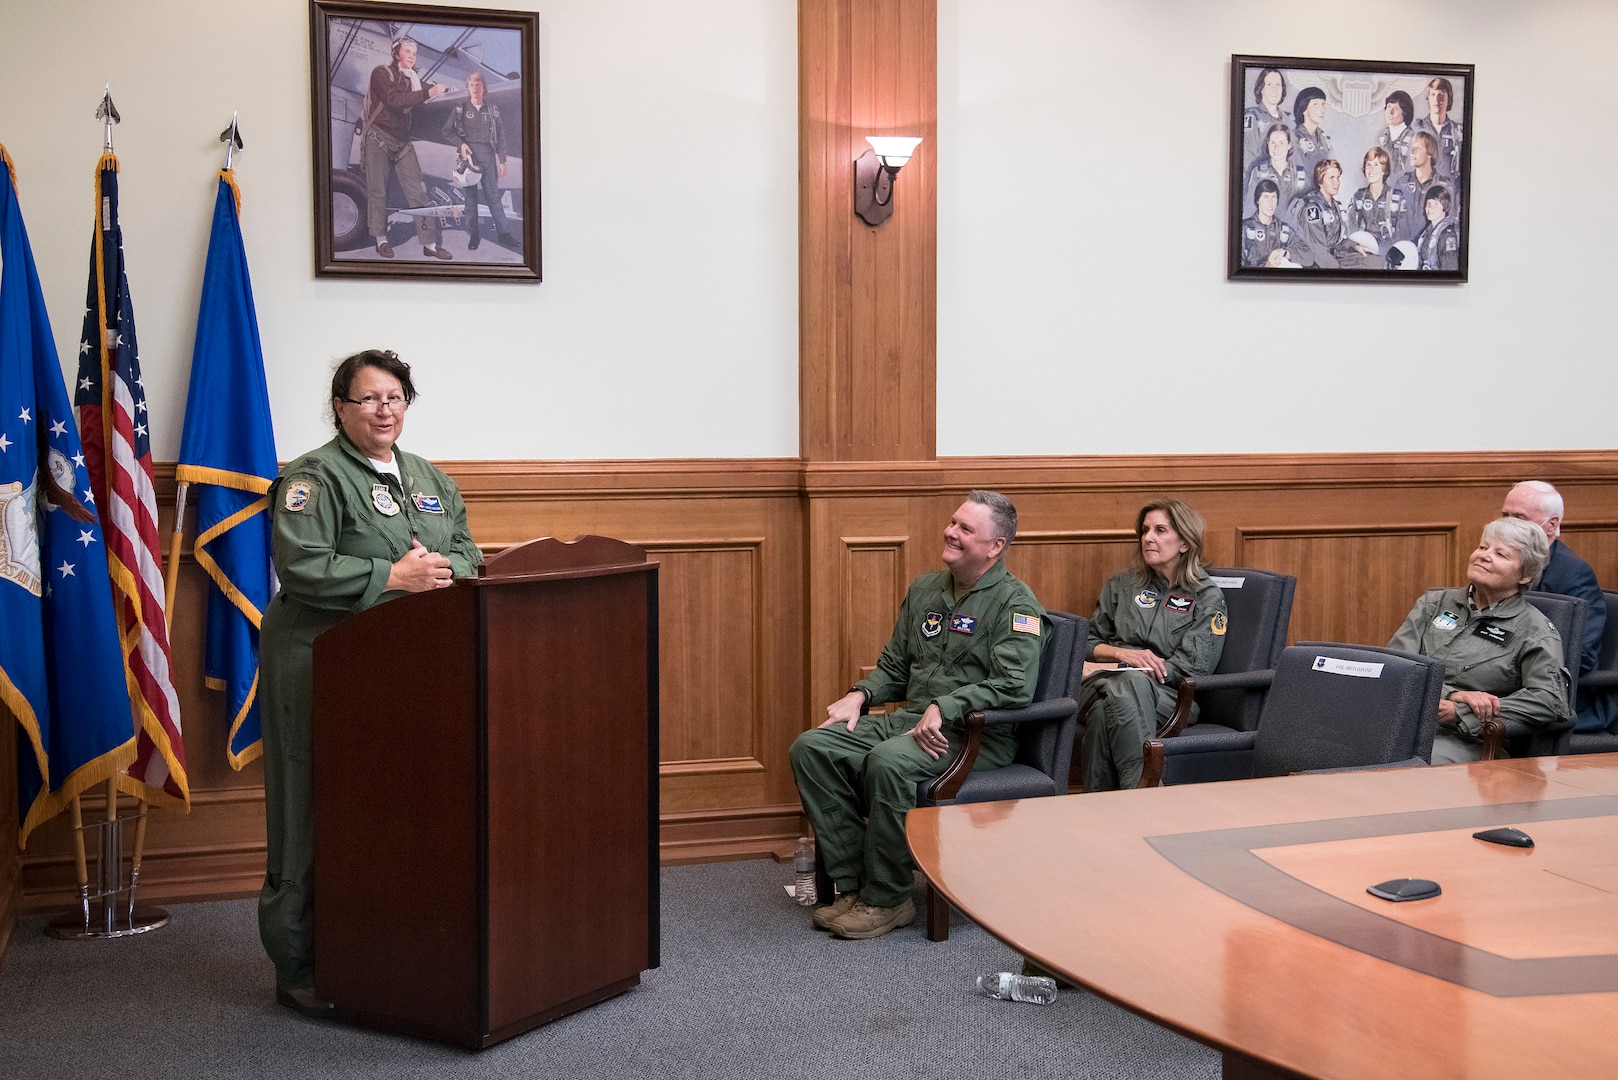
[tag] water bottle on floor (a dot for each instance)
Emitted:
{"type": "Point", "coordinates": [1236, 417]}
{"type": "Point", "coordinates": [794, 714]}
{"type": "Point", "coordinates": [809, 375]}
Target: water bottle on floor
{"type": "Point", "coordinates": [1009, 987]}
{"type": "Point", "coordinates": [803, 868]}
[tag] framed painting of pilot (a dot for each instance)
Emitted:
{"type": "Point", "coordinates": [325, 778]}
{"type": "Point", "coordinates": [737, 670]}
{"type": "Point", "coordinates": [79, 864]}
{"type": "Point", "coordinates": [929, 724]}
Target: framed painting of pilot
{"type": "Point", "coordinates": [1349, 170]}
{"type": "Point", "coordinates": [426, 141]}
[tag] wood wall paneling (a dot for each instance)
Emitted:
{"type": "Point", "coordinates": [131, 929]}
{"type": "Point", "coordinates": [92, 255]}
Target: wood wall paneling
{"type": "Point", "coordinates": [710, 646]}
{"type": "Point", "coordinates": [867, 294]}
{"type": "Point", "coordinates": [759, 559]}
{"type": "Point", "coordinates": [872, 573]}
{"type": "Point", "coordinates": [1354, 585]}
{"type": "Point", "coordinates": [1596, 542]}
{"type": "Point", "coordinates": [1066, 569]}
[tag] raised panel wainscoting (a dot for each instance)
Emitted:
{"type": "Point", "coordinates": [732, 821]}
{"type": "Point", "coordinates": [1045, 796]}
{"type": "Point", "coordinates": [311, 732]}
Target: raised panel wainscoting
{"type": "Point", "coordinates": [780, 581]}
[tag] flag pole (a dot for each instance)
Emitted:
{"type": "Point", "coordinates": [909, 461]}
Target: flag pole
{"type": "Point", "coordinates": [80, 864]}
{"type": "Point", "coordinates": [171, 573]}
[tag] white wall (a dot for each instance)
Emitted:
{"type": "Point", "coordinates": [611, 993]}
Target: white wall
{"type": "Point", "coordinates": [1088, 281]}
{"type": "Point", "coordinates": [666, 325]}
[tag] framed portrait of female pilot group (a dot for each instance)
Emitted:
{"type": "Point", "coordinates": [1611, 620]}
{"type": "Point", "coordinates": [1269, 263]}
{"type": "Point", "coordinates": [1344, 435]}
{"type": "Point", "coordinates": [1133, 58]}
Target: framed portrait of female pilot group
{"type": "Point", "coordinates": [426, 141]}
{"type": "Point", "coordinates": [1349, 169]}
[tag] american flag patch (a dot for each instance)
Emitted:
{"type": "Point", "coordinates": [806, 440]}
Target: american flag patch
{"type": "Point", "coordinates": [1026, 624]}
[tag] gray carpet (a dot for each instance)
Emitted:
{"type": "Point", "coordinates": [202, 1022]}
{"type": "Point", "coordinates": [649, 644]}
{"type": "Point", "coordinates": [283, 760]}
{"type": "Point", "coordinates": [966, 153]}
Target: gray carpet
{"type": "Point", "coordinates": [746, 989]}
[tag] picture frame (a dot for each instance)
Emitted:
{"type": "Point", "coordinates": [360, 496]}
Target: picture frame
{"type": "Point", "coordinates": [436, 108]}
{"type": "Point", "coordinates": [1412, 224]}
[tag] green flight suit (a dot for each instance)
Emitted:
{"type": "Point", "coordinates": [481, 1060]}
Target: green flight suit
{"type": "Point", "coordinates": [979, 652]}
{"type": "Point", "coordinates": [1508, 649]}
{"type": "Point", "coordinates": [338, 528]}
{"type": "Point", "coordinates": [1121, 709]}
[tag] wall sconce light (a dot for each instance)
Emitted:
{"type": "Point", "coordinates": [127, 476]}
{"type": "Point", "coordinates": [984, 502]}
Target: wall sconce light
{"type": "Point", "coordinates": [875, 172]}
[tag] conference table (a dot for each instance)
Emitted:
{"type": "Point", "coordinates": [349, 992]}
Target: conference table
{"type": "Point", "coordinates": [1236, 913]}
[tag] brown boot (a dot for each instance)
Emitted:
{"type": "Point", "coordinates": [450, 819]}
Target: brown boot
{"type": "Point", "coordinates": [823, 917]}
{"type": "Point", "coordinates": [865, 921]}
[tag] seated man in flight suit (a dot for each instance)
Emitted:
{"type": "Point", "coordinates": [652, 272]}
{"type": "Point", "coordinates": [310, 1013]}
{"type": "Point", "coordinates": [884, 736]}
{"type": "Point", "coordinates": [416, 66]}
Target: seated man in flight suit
{"type": "Point", "coordinates": [968, 637]}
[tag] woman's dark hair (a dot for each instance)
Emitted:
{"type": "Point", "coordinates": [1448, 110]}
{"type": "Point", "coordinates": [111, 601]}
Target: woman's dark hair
{"type": "Point", "coordinates": [1258, 87]}
{"type": "Point", "coordinates": [348, 369]}
{"type": "Point", "coordinates": [1305, 96]}
{"type": "Point", "coordinates": [1439, 192]}
{"type": "Point", "coordinates": [1406, 106]}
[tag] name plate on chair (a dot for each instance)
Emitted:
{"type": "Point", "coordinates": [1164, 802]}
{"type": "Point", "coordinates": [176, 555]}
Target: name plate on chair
{"type": "Point", "coordinates": [1228, 582]}
{"type": "Point", "coordinates": [1348, 667]}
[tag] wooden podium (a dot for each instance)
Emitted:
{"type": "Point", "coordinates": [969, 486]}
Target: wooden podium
{"type": "Point", "coordinates": [486, 801]}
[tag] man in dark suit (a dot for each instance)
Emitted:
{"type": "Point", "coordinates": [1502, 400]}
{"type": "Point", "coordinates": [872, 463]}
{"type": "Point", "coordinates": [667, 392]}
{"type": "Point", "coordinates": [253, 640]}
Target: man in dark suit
{"type": "Point", "coordinates": [1569, 575]}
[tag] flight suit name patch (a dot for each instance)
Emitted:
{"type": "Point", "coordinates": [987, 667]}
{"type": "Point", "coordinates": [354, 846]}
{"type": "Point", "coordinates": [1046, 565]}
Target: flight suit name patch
{"type": "Point", "coordinates": [382, 498]}
{"type": "Point", "coordinates": [933, 624]}
{"type": "Point", "coordinates": [1494, 632]}
{"type": "Point", "coordinates": [963, 624]}
{"type": "Point", "coordinates": [1179, 605]}
{"type": "Point", "coordinates": [428, 504]}
{"type": "Point", "coordinates": [1146, 598]}
{"type": "Point", "coordinates": [297, 495]}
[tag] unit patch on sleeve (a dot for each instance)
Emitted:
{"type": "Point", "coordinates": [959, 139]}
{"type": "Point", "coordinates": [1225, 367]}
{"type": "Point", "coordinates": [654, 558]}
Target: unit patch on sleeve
{"type": "Point", "coordinates": [297, 496]}
{"type": "Point", "coordinates": [1220, 624]}
{"type": "Point", "coordinates": [963, 624]}
{"type": "Point", "coordinates": [1025, 624]}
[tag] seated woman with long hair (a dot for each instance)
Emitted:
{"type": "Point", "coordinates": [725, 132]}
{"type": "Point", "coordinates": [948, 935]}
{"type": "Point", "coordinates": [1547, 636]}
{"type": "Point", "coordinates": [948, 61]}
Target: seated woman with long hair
{"type": "Point", "coordinates": [1161, 619]}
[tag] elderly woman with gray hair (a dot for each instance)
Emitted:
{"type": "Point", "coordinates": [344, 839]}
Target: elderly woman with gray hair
{"type": "Point", "coordinates": [1501, 656]}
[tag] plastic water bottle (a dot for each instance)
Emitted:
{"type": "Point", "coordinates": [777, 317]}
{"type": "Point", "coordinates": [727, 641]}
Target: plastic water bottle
{"type": "Point", "coordinates": [1009, 987]}
{"type": "Point", "coordinates": [803, 868]}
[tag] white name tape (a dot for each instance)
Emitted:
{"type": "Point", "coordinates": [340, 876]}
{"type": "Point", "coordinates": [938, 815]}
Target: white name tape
{"type": "Point", "coordinates": [1229, 582]}
{"type": "Point", "coordinates": [1348, 667]}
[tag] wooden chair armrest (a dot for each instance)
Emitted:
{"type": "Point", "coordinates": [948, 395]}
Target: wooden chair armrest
{"type": "Point", "coordinates": [1185, 695]}
{"type": "Point", "coordinates": [948, 784]}
{"type": "Point", "coordinates": [1151, 772]}
{"type": "Point", "coordinates": [1494, 738]}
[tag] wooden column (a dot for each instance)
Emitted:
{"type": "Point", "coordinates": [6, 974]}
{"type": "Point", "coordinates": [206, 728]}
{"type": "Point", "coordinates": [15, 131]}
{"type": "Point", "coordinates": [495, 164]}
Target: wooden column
{"type": "Point", "coordinates": [867, 294]}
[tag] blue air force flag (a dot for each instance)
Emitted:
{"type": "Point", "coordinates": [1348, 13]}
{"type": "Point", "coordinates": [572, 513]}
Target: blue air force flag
{"type": "Point", "coordinates": [61, 663]}
{"type": "Point", "coordinates": [227, 453]}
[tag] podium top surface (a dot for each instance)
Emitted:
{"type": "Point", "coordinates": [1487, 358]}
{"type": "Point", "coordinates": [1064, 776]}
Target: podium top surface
{"type": "Point", "coordinates": [548, 557]}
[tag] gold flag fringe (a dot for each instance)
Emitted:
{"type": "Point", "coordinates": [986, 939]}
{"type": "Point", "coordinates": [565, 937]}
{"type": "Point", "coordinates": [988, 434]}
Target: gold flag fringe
{"type": "Point", "coordinates": [229, 177]}
{"type": "Point", "coordinates": [11, 166]}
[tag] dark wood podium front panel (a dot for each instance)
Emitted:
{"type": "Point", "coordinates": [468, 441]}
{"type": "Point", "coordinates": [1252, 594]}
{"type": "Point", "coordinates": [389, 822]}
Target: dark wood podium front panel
{"type": "Point", "coordinates": [486, 797]}
{"type": "Point", "coordinates": [397, 815]}
{"type": "Point", "coordinates": [568, 793]}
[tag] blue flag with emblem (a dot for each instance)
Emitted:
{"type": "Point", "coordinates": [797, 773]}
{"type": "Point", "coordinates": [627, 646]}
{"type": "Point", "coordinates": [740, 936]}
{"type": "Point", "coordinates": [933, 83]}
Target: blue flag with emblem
{"type": "Point", "coordinates": [61, 661]}
{"type": "Point", "coordinates": [227, 454]}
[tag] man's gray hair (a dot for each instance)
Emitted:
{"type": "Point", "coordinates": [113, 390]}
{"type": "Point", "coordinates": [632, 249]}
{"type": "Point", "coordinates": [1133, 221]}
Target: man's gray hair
{"type": "Point", "coordinates": [1550, 500]}
{"type": "Point", "coordinates": [1527, 539]}
{"type": "Point", "coordinates": [1000, 508]}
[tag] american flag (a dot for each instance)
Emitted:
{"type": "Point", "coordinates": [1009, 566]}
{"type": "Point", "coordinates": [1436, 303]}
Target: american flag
{"type": "Point", "coordinates": [113, 423]}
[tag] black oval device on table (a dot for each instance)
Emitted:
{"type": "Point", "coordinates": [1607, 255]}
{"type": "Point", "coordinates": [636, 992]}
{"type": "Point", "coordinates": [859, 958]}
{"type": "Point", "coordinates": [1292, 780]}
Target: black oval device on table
{"type": "Point", "coordinates": [1401, 889]}
{"type": "Point", "coordinates": [1509, 837]}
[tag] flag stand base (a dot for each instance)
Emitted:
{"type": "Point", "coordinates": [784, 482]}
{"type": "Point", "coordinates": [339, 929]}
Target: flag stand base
{"type": "Point", "coordinates": [111, 921]}
{"type": "Point", "coordinates": [109, 911]}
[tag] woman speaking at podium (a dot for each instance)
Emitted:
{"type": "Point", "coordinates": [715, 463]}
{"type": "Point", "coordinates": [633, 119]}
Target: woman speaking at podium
{"type": "Point", "coordinates": [356, 522]}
